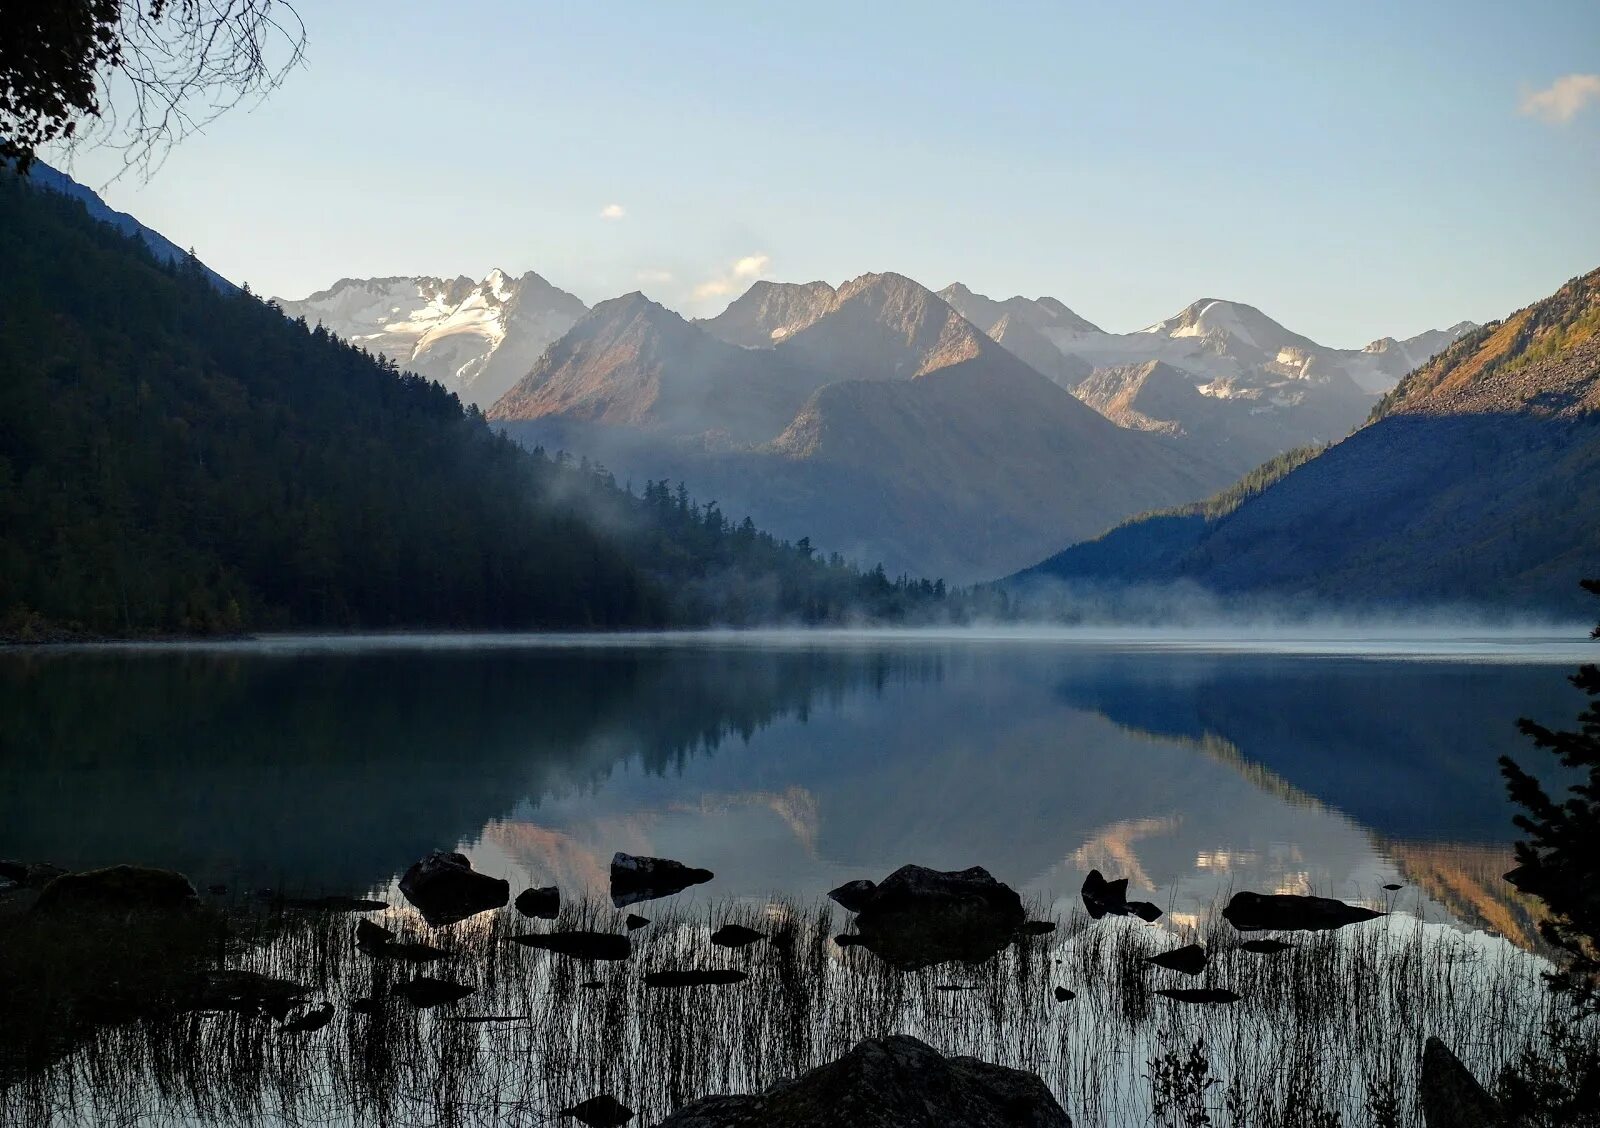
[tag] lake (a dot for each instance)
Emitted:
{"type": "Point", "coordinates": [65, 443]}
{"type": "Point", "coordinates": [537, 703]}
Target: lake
{"type": "Point", "coordinates": [790, 762]}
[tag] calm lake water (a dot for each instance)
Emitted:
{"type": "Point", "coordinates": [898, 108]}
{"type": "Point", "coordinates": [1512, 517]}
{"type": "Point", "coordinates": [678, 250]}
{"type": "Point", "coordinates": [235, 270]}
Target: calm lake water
{"type": "Point", "coordinates": [788, 763]}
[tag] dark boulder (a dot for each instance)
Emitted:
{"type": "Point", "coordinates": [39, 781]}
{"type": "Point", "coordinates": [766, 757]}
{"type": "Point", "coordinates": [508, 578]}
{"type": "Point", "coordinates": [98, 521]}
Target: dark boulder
{"type": "Point", "coordinates": [636, 922]}
{"type": "Point", "coordinates": [1266, 946]}
{"type": "Point", "coordinates": [580, 945]}
{"type": "Point", "coordinates": [1063, 995]}
{"type": "Point", "coordinates": [445, 888]}
{"type": "Point", "coordinates": [894, 1082]}
{"type": "Point", "coordinates": [1289, 912]}
{"type": "Point", "coordinates": [1110, 898]}
{"type": "Point", "coordinates": [542, 904]}
{"type": "Point", "coordinates": [1451, 1095]}
{"type": "Point", "coordinates": [1189, 959]}
{"type": "Point", "coordinates": [919, 917]}
{"type": "Point", "coordinates": [736, 936]}
{"type": "Point", "coordinates": [370, 935]}
{"type": "Point", "coordinates": [118, 889]}
{"type": "Point", "coordinates": [1038, 927]}
{"type": "Point", "coordinates": [635, 878]}
{"type": "Point", "coordinates": [314, 1019]}
{"type": "Point", "coordinates": [600, 1112]}
{"type": "Point", "coordinates": [244, 992]}
{"type": "Point", "coordinates": [423, 992]}
{"type": "Point", "coordinates": [855, 895]}
{"type": "Point", "coordinates": [693, 977]}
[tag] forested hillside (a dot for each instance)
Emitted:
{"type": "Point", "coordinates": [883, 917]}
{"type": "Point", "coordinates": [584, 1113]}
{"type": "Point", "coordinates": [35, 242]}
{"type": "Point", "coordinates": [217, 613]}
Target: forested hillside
{"type": "Point", "coordinates": [175, 459]}
{"type": "Point", "coordinates": [1476, 482]}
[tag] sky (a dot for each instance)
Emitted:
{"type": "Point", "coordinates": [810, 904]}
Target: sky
{"type": "Point", "coordinates": [1355, 170]}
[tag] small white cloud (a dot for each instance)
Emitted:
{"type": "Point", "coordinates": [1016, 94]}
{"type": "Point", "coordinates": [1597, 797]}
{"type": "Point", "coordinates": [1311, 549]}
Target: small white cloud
{"type": "Point", "coordinates": [656, 276]}
{"type": "Point", "coordinates": [613, 211]}
{"type": "Point", "coordinates": [740, 272]}
{"type": "Point", "coordinates": [1562, 99]}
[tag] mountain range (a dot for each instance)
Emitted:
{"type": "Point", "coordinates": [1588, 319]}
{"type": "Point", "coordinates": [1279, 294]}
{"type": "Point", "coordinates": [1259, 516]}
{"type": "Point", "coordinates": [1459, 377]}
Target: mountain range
{"type": "Point", "coordinates": [1476, 480]}
{"type": "Point", "coordinates": [475, 338]}
{"type": "Point", "coordinates": [876, 420]}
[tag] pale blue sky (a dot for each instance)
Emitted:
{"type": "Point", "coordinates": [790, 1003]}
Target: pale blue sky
{"type": "Point", "coordinates": [1353, 169]}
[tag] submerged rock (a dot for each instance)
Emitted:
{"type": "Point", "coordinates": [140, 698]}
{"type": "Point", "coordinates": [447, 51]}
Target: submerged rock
{"type": "Point", "coordinates": [445, 888]}
{"type": "Point", "coordinates": [604, 1111]}
{"type": "Point", "coordinates": [1063, 995]}
{"type": "Point", "coordinates": [635, 878]}
{"type": "Point", "coordinates": [580, 945]}
{"type": "Point", "coordinates": [691, 977]}
{"type": "Point", "coordinates": [1265, 947]}
{"type": "Point", "coordinates": [1290, 912]}
{"type": "Point", "coordinates": [335, 904]}
{"type": "Point", "coordinates": [894, 1082]}
{"type": "Point", "coordinates": [736, 936]}
{"type": "Point", "coordinates": [1451, 1095]}
{"type": "Point", "coordinates": [423, 992]}
{"type": "Point", "coordinates": [1199, 995]}
{"type": "Point", "coordinates": [542, 903]}
{"type": "Point", "coordinates": [1189, 959]}
{"type": "Point", "coordinates": [245, 992]}
{"type": "Point", "coordinates": [636, 922]}
{"type": "Point", "coordinates": [118, 889]}
{"type": "Point", "coordinates": [919, 917]}
{"type": "Point", "coordinates": [1038, 927]}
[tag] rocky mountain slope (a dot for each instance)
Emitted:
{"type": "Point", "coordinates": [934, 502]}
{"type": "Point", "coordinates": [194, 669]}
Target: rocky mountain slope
{"type": "Point", "coordinates": [1476, 481]}
{"type": "Point", "coordinates": [475, 338]}
{"type": "Point", "coordinates": [877, 420]}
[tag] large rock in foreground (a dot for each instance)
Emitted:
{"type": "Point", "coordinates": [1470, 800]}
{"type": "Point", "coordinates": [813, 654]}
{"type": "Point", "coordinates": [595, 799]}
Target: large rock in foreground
{"type": "Point", "coordinates": [1288, 912]}
{"type": "Point", "coordinates": [894, 1082]}
{"type": "Point", "coordinates": [1451, 1095]}
{"type": "Point", "coordinates": [445, 888]}
{"type": "Point", "coordinates": [118, 889]}
{"type": "Point", "coordinates": [918, 917]}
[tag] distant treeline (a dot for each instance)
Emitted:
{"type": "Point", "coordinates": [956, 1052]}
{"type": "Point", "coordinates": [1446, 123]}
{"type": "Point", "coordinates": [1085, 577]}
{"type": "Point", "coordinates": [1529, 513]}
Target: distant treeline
{"type": "Point", "coordinates": [177, 460]}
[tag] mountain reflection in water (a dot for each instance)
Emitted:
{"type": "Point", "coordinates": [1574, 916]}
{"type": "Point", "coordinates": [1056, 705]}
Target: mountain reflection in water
{"type": "Point", "coordinates": [784, 769]}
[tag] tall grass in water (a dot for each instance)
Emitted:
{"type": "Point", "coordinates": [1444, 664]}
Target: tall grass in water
{"type": "Point", "coordinates": [1327, 1032]}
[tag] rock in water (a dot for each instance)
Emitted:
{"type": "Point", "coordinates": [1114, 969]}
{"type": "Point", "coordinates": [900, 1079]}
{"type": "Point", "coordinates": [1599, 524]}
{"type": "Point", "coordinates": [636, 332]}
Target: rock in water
{"type": "Point", "coordinates": [691, 977]}
{"type": "Point", "coordinates": [370, 935]}
{"type": "Point", "coordinates": [600, 1112]}
{"type": "Point", "coordinates": [919, 917]}
{"type": "Point", "coordinates": [1199, 995]}
{"type": "Point", "coordinates": [581, 945]}
{"type": "Point", "coordinates": [1265, 947]}
{"type": "Point", "coordinates": [1063, 995]}
{"type": "Point", "coordinates": [894, 1082]}
{"type": "Point", "coordinates": [1110, 898]}
{"type": "Point", "coordinates": [853, 896]}
{"type": "Point", "coordinates": [423, 992]}
{"type": "Point", "coordinates": [636, 922]}
{"type": "Point", "coordinates": [117, 889]}
{"type": "Point", "coordinates": [1392, 886]}
{"type": "Point", "coordinates": [635, 879]}
{"type": "Point", "coordinates": [544, 904]}
{"type": "Point", "coordinates": [1189, 959]}
{"type": "Point", "coordinates": [736, 936]}
{"type": "Point", "coordinates": [1039, 927]}
{"type": "Point", "coordinates": [1289, 912]}
{"type": "Point", "coordinates": [445, 888]}
{"type": "Point", "coordinates": [314, 1019]}
{"type": "Point", "coordinates": [1451, 1095]}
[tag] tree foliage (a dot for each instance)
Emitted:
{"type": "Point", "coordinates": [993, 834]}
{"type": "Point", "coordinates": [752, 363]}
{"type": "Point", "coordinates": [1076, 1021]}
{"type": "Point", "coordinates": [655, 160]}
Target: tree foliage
{"type": "Point", "coordinates": [1559, 861]}
{"type": "Point", "coordinates": [179, 459]}
{"type": "Point", "coordinates": [135, 74]}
